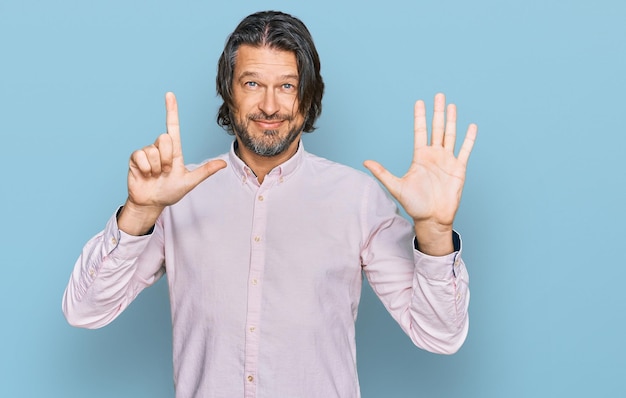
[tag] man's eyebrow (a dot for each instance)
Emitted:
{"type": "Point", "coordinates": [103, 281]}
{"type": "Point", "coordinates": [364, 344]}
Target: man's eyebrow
{"type": "Point", "coordinates": [246, 74]}
{"type": "Point", "coordinates": [289, 76]}
{"type": "Point", "coordinates": [250, 74]}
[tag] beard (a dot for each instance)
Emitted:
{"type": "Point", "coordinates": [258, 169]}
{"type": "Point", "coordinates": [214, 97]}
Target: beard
{"type": "Point", "coordinates": [270, 143]}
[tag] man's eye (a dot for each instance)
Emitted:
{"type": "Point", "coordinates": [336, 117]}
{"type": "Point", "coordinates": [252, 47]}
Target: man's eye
{"type": "Point", "coordinates": [288, 86]}
{"type": "Point", "coordinates": [251, 84]}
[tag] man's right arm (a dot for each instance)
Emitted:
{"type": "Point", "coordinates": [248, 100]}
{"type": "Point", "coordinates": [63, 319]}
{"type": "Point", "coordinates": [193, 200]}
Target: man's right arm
{"type": "Point", "coordinates": [122, 260]}
{"type": "Point", "coordinates": [109, 274]}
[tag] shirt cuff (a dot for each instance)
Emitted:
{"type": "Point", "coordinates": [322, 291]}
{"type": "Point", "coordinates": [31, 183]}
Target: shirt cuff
{"type": "Point", "coordinates": [456, 242]}
{"type": "Point", "coordinates": [119, 244]}
{"type": "Point", "coordinates": [440, 267]}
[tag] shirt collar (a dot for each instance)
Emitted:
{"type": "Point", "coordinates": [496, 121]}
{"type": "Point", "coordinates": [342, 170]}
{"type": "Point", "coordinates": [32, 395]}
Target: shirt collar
{"type": "Point", "coordinates": [282, 171]}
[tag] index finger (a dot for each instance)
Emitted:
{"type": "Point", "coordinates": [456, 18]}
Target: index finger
{"type": "Point", "coordinates": [171, 122]}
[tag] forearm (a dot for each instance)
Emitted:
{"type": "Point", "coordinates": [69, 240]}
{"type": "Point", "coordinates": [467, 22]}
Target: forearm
{"type": "Point", "coordinates": [439, 305]}
{"type": "Point", "coordinates": [105, 278]}
{"type": "Point", "coordinates": [427, 295]}
{"type": "Point", "coordinates": [94, 297]}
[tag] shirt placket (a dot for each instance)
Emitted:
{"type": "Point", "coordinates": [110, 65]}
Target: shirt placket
{"type": "Point", "coordinates": [255, 285]}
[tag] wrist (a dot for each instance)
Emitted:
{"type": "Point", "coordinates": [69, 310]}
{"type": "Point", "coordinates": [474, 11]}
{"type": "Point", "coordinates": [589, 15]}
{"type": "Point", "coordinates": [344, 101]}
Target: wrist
{"type": "Point", "coordinates": [137, 220]}
{"type": "Point", "coordinates": [434, 239]}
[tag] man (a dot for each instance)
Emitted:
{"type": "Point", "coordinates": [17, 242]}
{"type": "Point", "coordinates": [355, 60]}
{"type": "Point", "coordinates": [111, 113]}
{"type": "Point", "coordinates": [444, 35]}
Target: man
{"type": "Point", "coordinates": [265, 246]}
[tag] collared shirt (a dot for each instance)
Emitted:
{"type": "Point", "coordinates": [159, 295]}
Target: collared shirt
{"type": "Point", "coordinates": [265, 279]}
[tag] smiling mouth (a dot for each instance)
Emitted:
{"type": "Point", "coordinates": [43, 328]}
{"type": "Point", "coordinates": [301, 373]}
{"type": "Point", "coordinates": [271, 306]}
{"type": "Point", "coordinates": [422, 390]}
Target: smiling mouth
{"type": "Point", "coordinates": [269, 124]}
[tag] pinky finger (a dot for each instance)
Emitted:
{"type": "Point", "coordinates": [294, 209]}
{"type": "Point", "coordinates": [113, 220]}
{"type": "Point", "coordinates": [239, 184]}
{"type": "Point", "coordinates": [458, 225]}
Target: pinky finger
{"type": "Point", "coordinates": [468, 143]}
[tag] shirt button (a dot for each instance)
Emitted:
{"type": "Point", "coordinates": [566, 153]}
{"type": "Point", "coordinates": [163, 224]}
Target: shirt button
{"type": "Point", "coordinates": [113, 241]}
{"type": "Point", "coordinates": [252, 329]}
{"type": "Point", "coordinates": [250, 378]}
{"type": "Point", "coordinates": [458, 296]}
{"type": "Point", "coordinates": [257, 238]}
{"type": "Point", "coordinates": [91, 271]}
{"type": "Point", "coordinates": [255, 281]}
{"type": "Point", "coordinates": [281, 179]}
{"type": "Point", "coordinates": [260, 198]}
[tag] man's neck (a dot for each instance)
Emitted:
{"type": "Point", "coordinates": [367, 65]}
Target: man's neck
{"type": "Point", "coordinates": [262, 165]}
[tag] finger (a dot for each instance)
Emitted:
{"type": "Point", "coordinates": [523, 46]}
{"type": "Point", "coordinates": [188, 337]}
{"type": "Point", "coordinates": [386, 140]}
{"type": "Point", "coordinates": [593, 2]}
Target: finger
{"type": "Point", "coordinates": [203, 172]}
{"type": "Point", "coordinates": [438, 120]}
{"type": "Point", "coordinates": [449, 137]}
{"type": "Point", "coordinates": [154, 159]}
{"type": "Point", "coordinates": [383, 175]}
{"type": "Point", "coordinates": [468, 144]}
{"type": "Point", "coordinates": [419, 123]}
{"type": "Point", "coordinates": [172, 123]}
{"type": "Point", "coordinates": [164, 145]}
{"type": "Point", "coordinates": [139, 163]}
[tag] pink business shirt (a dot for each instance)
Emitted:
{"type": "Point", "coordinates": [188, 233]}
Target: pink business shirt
{"type": "Point", "coordinates": [265, 280]}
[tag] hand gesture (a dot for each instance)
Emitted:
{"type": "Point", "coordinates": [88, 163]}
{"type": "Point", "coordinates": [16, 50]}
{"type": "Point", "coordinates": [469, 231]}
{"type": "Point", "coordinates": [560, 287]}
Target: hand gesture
{"type": "Point", "coordinates": [157, 176]}
{"type": "Point", "coordinates": [430, 191]}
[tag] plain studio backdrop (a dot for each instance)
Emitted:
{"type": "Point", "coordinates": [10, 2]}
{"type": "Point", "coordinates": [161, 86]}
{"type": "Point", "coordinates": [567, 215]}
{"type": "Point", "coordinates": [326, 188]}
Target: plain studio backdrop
{"type": "Point", "coordinates": [82, 86]}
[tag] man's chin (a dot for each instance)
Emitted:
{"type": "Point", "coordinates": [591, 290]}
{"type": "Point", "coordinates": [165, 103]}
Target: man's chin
{"type": "Point", "coordinates": [267, 143]}
{"type": "Point", "coordinates": [268, 151]}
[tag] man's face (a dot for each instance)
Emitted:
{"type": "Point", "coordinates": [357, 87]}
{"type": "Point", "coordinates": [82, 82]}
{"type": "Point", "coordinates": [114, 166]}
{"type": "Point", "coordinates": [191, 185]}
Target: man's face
{"type": "Point", "coordinates": [266, 119]}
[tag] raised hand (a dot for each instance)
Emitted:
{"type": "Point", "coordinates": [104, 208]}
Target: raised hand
{"type": "Point", "coordinates": [430, 191]}
{"type": "Point", "coordinates": [157, 176]}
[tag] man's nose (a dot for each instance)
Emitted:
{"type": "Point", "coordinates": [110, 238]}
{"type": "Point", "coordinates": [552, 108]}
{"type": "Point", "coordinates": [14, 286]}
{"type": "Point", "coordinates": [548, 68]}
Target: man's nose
{"type": "Point", "coordinates": [269, 103]}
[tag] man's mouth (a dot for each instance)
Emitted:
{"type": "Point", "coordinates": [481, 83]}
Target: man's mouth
{"type": "Point", "coordinates": [269, 124]}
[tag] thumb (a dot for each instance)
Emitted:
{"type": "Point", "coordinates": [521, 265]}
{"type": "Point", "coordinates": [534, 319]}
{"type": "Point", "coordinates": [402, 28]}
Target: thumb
{"type": "Point", "coordinates": [196, 176]}
{"type": "Point", "coordinates": [385, 177]}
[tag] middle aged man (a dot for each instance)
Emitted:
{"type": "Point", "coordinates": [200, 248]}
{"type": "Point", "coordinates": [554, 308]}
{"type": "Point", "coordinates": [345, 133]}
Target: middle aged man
{"type": "Point", "coordinates": [265, 258]}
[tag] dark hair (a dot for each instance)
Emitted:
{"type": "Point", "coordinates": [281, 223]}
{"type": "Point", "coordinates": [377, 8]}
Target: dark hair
{"type": "Point", "coordinates": [280, 31]}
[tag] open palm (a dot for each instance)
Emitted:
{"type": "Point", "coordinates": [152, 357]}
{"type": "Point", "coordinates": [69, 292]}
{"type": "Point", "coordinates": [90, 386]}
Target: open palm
{"type": "Point", "coordinates": [430, 191]}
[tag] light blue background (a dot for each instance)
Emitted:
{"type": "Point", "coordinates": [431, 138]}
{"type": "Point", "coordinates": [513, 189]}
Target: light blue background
{"type": "Point", "coordinates": [82, 85]}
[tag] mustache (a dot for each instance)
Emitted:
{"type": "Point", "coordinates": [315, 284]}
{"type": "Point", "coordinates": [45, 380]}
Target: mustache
{"type": "Point", "coordinates": [265, 116]}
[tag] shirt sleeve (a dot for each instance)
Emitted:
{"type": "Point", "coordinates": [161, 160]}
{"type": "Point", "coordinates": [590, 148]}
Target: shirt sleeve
{"type": "Point", "coordinates": [112, 269]}
{"type": "Point", "coordinates": [427, 295]}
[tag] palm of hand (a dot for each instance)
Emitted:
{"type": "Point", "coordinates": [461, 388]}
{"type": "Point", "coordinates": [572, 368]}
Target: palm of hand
{"type": "Point", "coordinates": [160, 190]}
{"type": "Point", "coordinates": [430, 191]}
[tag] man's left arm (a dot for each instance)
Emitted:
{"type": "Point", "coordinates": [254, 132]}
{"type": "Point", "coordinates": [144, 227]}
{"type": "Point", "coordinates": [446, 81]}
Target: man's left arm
{"type": "Point", "coordinates": [430, 193]}
{"type": "Point", "coordinates": [428, 296]}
